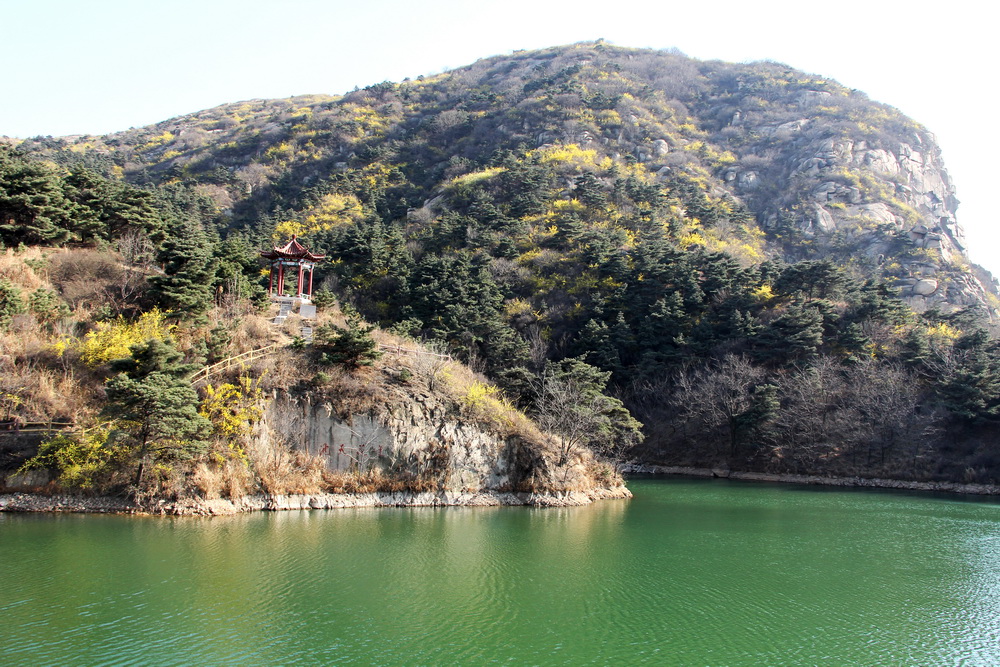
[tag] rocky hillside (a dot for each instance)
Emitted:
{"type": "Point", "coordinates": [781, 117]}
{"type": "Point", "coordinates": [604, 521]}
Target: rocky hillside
{"type": "Point", "coordinates": [821, 169]}
{"type": "Point", "coordinates": [281, 419]}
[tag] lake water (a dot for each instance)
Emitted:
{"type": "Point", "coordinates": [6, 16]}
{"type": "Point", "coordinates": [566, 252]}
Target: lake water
{"type": "Point", "coordinates": [689, 572]}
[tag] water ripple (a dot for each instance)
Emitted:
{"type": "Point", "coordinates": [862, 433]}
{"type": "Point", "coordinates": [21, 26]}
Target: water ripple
{"type": "Point", "coordinates": [687, 573]}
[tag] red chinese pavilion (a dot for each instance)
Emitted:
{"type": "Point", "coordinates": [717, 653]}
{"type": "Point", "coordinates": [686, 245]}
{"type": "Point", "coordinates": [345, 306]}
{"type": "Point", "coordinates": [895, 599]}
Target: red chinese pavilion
{"type": "Point", "coordinates": [294, 254]}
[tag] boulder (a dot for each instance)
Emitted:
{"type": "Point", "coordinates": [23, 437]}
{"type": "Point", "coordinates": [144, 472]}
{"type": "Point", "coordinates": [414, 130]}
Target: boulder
{"type": "Point", "coordinates": [748, 180]}
{"type": "Point", "coordinates": [878, 212]}
{"type": "Point", "coordinates": [881, 161]}
{"type": "Point", "coordinates": [28, 480]}
{"type": "Point", "coordinates": [823, 220]}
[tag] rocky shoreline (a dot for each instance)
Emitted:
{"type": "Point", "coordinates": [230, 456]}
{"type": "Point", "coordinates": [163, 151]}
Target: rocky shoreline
{"type": "Point", "coordinates": [33, 502]}
{"type": "Point", "coordinates": [875, 483]}
{"type": "Point", "coordinates": [30, 502]}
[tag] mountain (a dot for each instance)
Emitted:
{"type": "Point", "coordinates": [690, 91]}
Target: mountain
{"type": "Point", "coordinates": [767, 265]}
{"type": "Point", "coordinates": [823, 171]}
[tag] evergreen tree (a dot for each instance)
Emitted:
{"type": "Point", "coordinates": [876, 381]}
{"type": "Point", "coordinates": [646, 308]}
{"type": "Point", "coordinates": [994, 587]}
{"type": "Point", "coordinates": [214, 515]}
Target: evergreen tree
{"type": "Point", "coordinates": [528, 182]}
{"type": "Point", "coordinates": [881, 303]}
{"type": "Point", "coordinates": [915, 349]}
{"type": "Point", "coordinates": [971, 388]}
{"type": "Point", "coordinates": [155, 406]}
{"type": "Point", "coordinates": [590, 191]}
{"type": "Point", "coordinates": [237, 271]}
{"type": "Point", "coordinates": [453, 294]}
{"type": "Point", "coordinates": [47, 307]}
{"type": "Point", "coordinates": [185, 286]}
{"type": "Point", "coordinates": [571, 402]}
{"type": "Point", "coordinates": [664, 322]}
{"type": "Point", "coordinates": [352, 346]}
{"type": "Point", "coordinates": [110, 208]}
{"type": "Point", "coordinates": [854, 343]}
{"type": "Point", "coordinates": [796, 335]}
{"type": "Point", "coordinates": [820, 279]}
{"type": "Point", "coordinates": [11, 302]}
{"type": "Point", "coordinates": [596, 347]}
{"type": "Point", "coordinates": [719, 271]}
{"type": "Point", "coordinates": [33, 206]}
{"type": "Point", "coordinates": [751, 424]}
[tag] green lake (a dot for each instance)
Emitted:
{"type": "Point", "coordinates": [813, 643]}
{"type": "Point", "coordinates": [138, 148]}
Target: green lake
{"type": "Point", "coordinates": [689, 572]}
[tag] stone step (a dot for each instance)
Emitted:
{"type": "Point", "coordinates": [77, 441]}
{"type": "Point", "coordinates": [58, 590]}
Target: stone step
{"type": "Point", "coordinates": [280, 319]}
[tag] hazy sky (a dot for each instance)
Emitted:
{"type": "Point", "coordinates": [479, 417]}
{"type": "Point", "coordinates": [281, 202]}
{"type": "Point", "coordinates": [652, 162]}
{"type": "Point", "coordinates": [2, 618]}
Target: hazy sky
{"type": "Point", "coordinates": [97, 66]}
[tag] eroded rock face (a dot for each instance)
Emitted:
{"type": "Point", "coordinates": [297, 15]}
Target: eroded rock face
{"type": "Point", "coordinates": [866, 198]}
{"type": "Point", "coordinates": [419, 436]}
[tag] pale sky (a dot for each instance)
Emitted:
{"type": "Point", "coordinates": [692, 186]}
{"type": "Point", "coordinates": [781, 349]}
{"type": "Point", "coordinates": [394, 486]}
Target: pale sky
{"type": "Point", "coordinates": [98, 66]}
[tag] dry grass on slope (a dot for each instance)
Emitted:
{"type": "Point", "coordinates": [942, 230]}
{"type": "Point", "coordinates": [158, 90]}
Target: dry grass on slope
{"type": "Point", "coordinates": [17, 268]}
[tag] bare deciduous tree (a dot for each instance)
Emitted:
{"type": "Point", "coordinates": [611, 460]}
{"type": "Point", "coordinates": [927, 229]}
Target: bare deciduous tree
{"type": "Point", "coordinates": [253, 176]}
{"type": "Point", "coordinates": [719, 400]}
{"type": "Point", "coordinates": [570, 404]}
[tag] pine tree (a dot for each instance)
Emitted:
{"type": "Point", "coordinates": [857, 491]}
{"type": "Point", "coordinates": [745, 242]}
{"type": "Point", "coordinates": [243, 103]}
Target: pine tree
{"type": "Point", "coordinates": [971, 389]}
{"type": "Point", "coordinates": [854, 342]}
{"type": "Point", "coordinates": [11, 302]}
{"type": "Point", "coordinates": [598, 349]}
{"type": "Point", "coordinates": [915, 349]}
{"type": "Point", "coordinates": [155, 406]}
{"type": "Point", "coordinates": [571, 402]}
{"type": "Point", "coordinates": [590, 191]}
{"type": "Point", "coordinates": [33, 206]}
{"type": "Point", "coordinates": [108, 208]}
{"type": "Point", "coordinates": [796, 335]}
{"type": "Point", "coordinates": [352, 346]}
{"type": "Point", "coordinates": [185, 287]}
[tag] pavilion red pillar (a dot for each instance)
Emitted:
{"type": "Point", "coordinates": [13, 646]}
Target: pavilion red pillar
{"type": "Point", "coordinates": [270, 280]}
{"type": "Point", "coordinates": [281, 279]}
{"type": "Point", "coordinates": [312, 269]}
{"type": "Point", "coordinates": [298, 290]}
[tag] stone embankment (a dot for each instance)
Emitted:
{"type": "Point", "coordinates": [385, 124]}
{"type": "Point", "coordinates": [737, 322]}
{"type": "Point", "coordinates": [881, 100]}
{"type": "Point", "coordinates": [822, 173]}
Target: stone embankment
{"type": "Point", "coordinates": [875, 483]}
{"type": "Point", "coordinates": [28, 502]}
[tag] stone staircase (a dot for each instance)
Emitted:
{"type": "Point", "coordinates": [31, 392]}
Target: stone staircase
{"type": "Point", "coordinates": [284, 309]}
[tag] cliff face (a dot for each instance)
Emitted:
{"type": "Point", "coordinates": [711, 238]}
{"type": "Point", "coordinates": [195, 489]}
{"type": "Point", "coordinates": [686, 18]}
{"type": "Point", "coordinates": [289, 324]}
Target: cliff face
{"type": "Point", "coordinates": [436, 432]}
{"type": "Point", "coordinates": [421, 439]}
{"type": "Point", "coordinates": [886, 205]}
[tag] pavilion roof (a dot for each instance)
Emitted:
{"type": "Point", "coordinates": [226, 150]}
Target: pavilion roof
{"type": "Point", "coordinates": [292, 250]}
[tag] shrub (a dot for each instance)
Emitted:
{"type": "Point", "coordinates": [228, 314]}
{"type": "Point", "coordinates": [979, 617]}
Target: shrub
{"type": "Point", "coordinates": [83, 461]}
{"type": "Point", "coordinates": [323, 298]}
{"type": "Point", "coordinates": [233, 409]}
{"type": "Point", "coordinates": [47, 306]}
{"type": "Point", "coordinates": [11, 302]}
{"type": "Point", "coordinates": [112, 340]}
{"type": "Point", "coordinates": [352, 346]}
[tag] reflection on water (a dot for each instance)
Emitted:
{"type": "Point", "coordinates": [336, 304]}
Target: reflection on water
{"type": "Point", "coordinates": [689, 572]}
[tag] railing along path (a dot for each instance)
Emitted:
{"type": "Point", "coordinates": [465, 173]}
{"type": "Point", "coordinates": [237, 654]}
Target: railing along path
{"type": "Point", "coordinates": [405, 351]}
{"type": "Point", "coordinates": [229, 362]}
{"type": "Point", "coordinates": [15, 426]}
